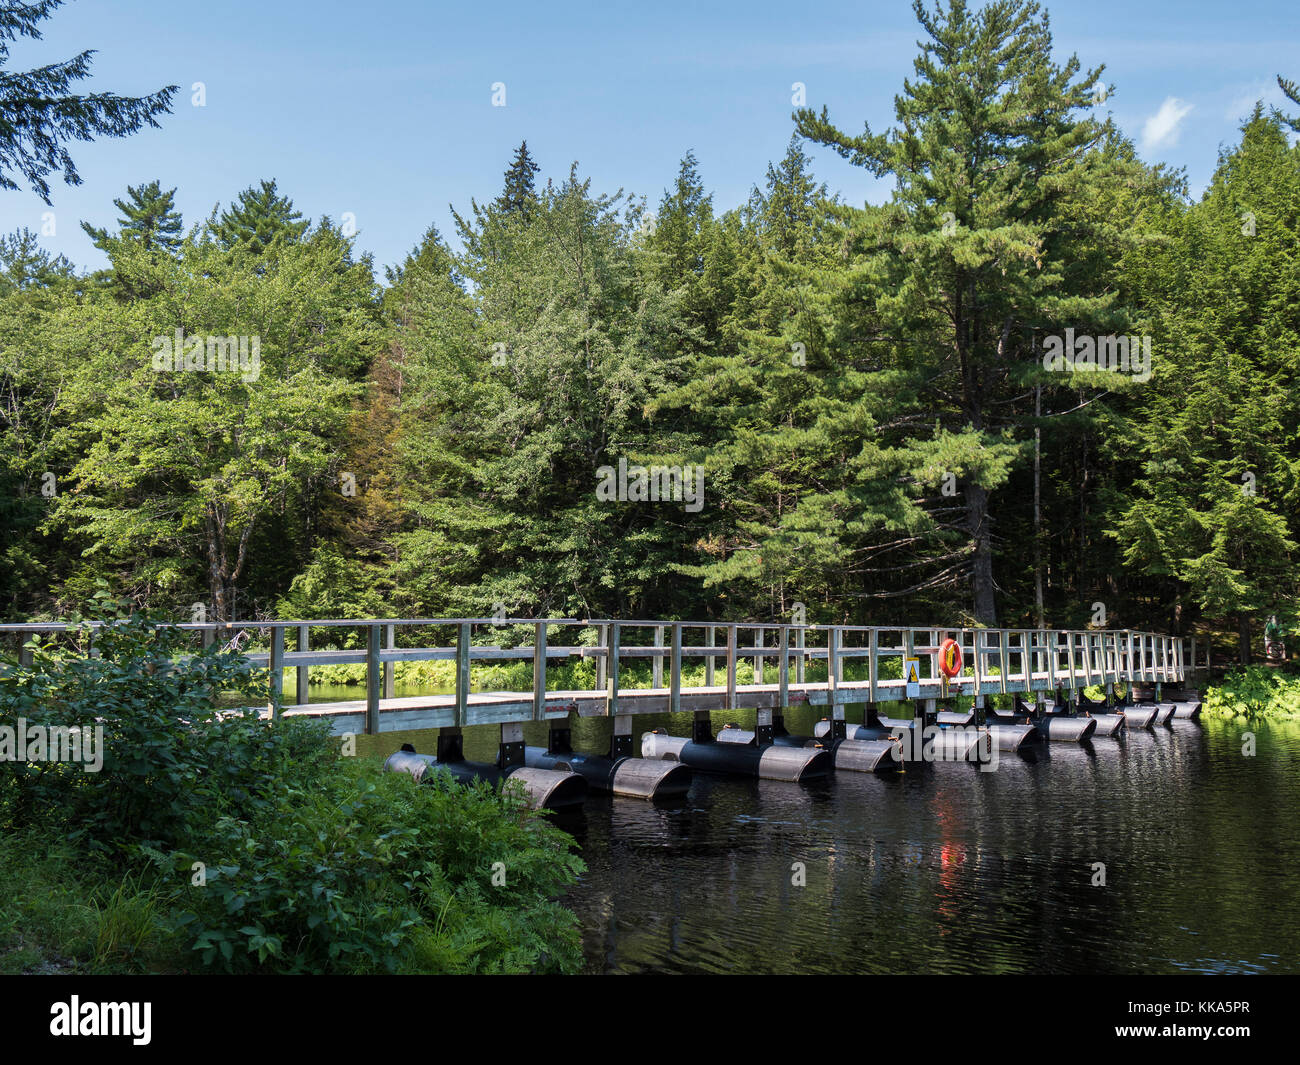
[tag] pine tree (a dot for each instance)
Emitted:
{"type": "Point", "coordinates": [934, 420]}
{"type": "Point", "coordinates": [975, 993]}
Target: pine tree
{"type": "Point", "coordinates": [37, 115]}
{"type": "Point", "coordinates": [519, 197]}
{"type": "Point", "coordinates": [683, 227]}
{"type": "Point", "coordinates": [1213, 515]}
{"type": "Point", "coordinates": [258, 219]}
{"type": "Point", "coordinates": [975, 255]}
{"type": "Point", "coordinates": [24, 264]}
{"type": "Point", "coordinates": [149, 219]}
{"type": "Point", "coordinates": [1292, 92]}
{"type": "Point", "coordinates": [790, 210]}
{"type": "Point", "coordinates": [515, 397]}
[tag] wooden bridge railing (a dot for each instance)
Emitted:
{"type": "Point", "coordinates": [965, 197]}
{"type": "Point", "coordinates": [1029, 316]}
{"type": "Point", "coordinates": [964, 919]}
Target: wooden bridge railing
{"type": "Point", "coordinates": [996, 661]}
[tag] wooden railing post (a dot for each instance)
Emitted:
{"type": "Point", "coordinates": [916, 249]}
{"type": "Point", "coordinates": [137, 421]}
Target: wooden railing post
{"type": "Point", "coordinates": [801, 659]}
{"type": "Point", "coordinates": [873, 665]}
{"type": "Point", "coordinates": [758, 659]}
{"type": "Point", "coordinates": [1004, 657]}
{"type": "Point", "coordinates": [731, 667]}
{"type": "Point", "coordinates": [602, 661]}
{"type": "Point", "coordinates": [675, 668]}
{"type": "Point", "coordinates": [277, 671]}
{"type": "Point", "coordinates": [539, 671]}
{"type": "Point", "coordinates": [833, 636]}
{"type": "Point", "coordinates": [709, 661]}
{"type": "Point", "coordinates": [374, 677]}
{"type": "Point", "coordinates": [657, 681]}
{"type": "Point", "coordinates": [390, 668]}
{"type": "Point", "coordinates": [302, 677]}
{"type": "Point", "coordinates": [783, 667]}
{"type": "Point", "coordinates": [611, 697]}
{"type": "Point", "coordinates": [464, 633]}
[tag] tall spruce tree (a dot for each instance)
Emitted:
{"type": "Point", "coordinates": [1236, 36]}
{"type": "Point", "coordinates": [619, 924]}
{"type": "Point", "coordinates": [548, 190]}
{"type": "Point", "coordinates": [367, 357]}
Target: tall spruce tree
{"type": "Point", "coordinates": [683, 230]}
{"type": "Point", "coordinates": [519, 197]}
{"type": "Point", "coordinates": [149, 218]}
{"type": "Point", "coordinates": [515, 398]}
{"type": "Point", "coordinates": [976, 255]}
{"type": "Point", "coordinates": [258, 219]}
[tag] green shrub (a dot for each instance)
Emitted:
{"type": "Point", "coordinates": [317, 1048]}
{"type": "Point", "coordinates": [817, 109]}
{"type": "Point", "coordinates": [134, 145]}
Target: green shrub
{"type": "Point", "coordinates": [314, 862]}
{"type": "Point", "coordinates": [372, 872]}
{"type": "Point", "coordinates": [1255, 691]}
{"type": "Point", "coordinates": [172, 761]}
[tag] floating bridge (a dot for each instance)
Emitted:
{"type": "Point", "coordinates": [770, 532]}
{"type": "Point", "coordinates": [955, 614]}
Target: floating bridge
{"type": "Point", "coordinates": [854, 665]}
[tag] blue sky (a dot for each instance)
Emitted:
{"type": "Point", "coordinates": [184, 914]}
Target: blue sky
{"type": "Point", "coordinates": [385, 110]}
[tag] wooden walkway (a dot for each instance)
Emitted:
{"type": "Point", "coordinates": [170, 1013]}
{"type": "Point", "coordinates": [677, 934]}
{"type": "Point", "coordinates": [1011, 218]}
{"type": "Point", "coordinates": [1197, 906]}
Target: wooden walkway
{"type": "Point", "coordinates": [996, 661]}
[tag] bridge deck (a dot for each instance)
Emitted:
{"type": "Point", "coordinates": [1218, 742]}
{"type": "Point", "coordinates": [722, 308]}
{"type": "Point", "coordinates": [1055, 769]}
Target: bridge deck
{"type": "Point", "coordinates": [499, 707]}
{"type": "Point", "coordinates": [993, 661]}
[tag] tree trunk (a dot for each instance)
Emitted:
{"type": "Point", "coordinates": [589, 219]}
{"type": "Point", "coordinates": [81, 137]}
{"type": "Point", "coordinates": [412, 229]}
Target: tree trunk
{"type": "Point", "coordinates": [977, 518]}
{"type": "Point", "coordinates": [1038, 510]}
{"type": "Point", "coordinates": [1243, 638]}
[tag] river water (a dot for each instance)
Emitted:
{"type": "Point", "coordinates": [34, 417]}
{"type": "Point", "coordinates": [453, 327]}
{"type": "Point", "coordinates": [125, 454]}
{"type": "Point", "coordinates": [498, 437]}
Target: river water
{"type": "Point", "coordinates": [947, 869]}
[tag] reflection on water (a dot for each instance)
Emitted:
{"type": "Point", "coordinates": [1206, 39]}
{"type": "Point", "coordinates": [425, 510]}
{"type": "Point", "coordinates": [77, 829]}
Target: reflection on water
{"type": "Point", "coordinates": [949, 869]}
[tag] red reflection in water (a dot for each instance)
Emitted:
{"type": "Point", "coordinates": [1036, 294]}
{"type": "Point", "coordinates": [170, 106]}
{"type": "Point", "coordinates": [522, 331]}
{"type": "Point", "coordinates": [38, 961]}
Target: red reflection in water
{"type": "Point", "coordinates": [952, 856]}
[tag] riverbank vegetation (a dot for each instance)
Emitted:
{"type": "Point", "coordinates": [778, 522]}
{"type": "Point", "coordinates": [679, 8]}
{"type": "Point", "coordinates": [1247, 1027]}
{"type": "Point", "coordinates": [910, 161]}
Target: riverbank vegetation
{"type": "Point", "coordinates": [209, 840]}
{"type": "Point", "coordinates": [1256, 691]}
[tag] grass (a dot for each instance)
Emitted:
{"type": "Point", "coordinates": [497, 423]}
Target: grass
{"type": "Point", "coordinates": [63, 913]}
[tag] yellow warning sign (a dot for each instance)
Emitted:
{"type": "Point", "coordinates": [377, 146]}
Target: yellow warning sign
{"type": "Point", "coordinates": [912, 674]}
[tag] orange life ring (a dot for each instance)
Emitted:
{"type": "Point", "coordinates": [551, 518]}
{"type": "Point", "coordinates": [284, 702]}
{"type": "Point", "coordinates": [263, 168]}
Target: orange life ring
{"type": "Point", "coordinates": [950, 658]}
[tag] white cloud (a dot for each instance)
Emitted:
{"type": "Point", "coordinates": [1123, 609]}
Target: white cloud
{"type": "Point", "coordinates": [1161, 129]}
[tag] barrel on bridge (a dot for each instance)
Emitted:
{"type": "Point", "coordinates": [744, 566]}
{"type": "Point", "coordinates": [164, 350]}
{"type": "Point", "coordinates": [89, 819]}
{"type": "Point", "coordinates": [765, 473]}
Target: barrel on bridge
{"type": "Point", "coordinates": [1065, 728]}
{"type": "Point", "coordinates": [1108, 724]}
{"type": "Point", "coordinates": [1013, 737]}
{"type": "Point", "coordinates": [1059, 727]}
{"type": "Point", "coordinates": [856, 756]}
{"type": "Point", "coordinates": [1175, 702]}
{"type": "Point", "coordinates": [1187, 702]}
{"type": "Point", "coordinates": [1143, 717]}
{"type": "Point", "coordinates": [773, 762]}
{"type": "Point", "coordinates": [1164, 713]}
{"type": "Point", "coordinates": [545, 789]}
{"type": "Point", "coordinates": [951, 744]}
{"type": "Point", "coordinates": [634, 778]}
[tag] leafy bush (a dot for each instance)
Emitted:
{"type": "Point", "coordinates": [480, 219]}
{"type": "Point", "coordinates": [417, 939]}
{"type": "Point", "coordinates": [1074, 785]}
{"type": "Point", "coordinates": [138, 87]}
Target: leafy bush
{"type": "Point", "coordinates": [372, 872]}
{"type": "Point", "coordinates": [1255, 691]}
{"type": "Point", "coordinates": [314, 862]}
{"type": "Point", "coordinates": [172, 760]}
